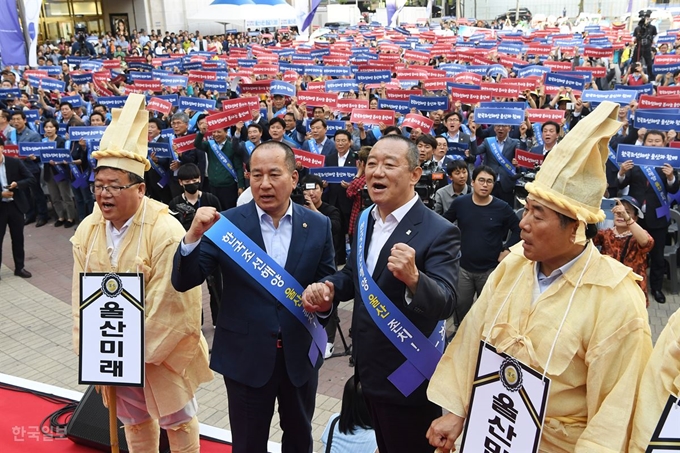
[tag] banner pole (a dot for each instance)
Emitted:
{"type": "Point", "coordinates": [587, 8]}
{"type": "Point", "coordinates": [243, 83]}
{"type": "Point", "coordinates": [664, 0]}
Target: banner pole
{"type": "Point", "coordinates": [113, 420]}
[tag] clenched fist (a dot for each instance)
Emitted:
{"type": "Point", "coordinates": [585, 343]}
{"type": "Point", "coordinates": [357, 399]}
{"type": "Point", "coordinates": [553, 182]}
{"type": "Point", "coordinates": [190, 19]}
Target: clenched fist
{"type": "Point", "coordinates": [205, 217]}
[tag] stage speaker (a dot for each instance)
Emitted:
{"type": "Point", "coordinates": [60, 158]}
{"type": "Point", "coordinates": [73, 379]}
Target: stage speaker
{"type": "Point", "coordinates": [89, 425]}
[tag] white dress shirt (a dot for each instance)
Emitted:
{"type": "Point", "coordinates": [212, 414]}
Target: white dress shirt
{"type": "Point", "coordinates": [383, 230]}
{"type": "Point", "coordinates": [3, 179]}
{"type": "Point", "coordinates": [114, 238]}
{"type": "Point", "coordinates": [342, 159]}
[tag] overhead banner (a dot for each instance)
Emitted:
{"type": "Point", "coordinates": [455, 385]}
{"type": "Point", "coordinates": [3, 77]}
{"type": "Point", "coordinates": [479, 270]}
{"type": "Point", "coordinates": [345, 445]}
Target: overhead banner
{"type": "Point", "coordinates": [12, 40]}
{"type": "Point", "coordinates": [31, 12]}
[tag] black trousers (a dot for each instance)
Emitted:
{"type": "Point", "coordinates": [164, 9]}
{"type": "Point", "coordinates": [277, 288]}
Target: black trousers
{"type": "Point", "coordinates": [656, 259]}
{"type": "Point", "coordinates": [645, 53]}
{"type": "Point", "coordinates": [38, 200]}
{"type": "Point", "coordinates": [12, 217]}
{"type": "Point", "coordinates": [400, 429]}
{"type": "Point", "coordinates": [251, 410]}
{"type": "Point", "coordinates": [508, 197]}
{"type": "Point", "coordinates": [227, 195]}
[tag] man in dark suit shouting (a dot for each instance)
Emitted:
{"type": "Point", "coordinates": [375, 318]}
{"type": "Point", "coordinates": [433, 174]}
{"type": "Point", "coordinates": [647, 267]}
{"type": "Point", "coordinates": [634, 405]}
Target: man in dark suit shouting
{"type": "Point", "coordinates": [14, 179]}
{"type": "Point", "coordinates": [263, 345]}
{"type": "Point", "coordinates": [402, 278]}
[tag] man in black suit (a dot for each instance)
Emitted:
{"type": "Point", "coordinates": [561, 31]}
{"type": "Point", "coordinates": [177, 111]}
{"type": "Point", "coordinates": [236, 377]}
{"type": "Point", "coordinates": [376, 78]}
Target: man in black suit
{"type": "Point", "coordinates": [656, 225]}
{"type": "Point", "coordinates": [412, 256]}
{"type": "Point", "coordinates": [502, 165]}
{"type": "Point", "coordinates": [261, 346]}
{"type": "Point", "coordinates": [453, 121]}
{"type": "Point", "coordinates": [152, 177]}
{"type": "Point", "coordinates": [336, 194]}
{"type": "Point", "coordinates": [180, 127]}
{"type": "Point", "coordinates": [319, 143]}
{"type": "Point", "coordinates": [14, 179]}
{"type": "Point", "coordinates": [550, 131]}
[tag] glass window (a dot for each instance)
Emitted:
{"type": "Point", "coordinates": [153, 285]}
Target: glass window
{"type": "Point", "coordinates": [85, 8]}
{"type": "Point", "coordinates": [55, 8]}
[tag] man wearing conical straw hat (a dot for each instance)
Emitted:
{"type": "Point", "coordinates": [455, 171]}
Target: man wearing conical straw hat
{"type": "Point", "coordinates": [131, 233]}
{"type": "Point", "coordinates": [558, 306]}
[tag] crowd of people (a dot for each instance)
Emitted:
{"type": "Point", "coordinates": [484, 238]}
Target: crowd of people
{"type": "Point", "coordinates": [460, 227]}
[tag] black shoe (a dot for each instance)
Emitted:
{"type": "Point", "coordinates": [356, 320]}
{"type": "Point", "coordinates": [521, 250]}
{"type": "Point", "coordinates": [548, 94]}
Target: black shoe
{"type": "Point", "coordinates": [23, 273]}
{"type": "Point", "coordinates": [658, 296]}
{"type": "Point", "coordinates": [69, 223]}
{"type": "Point", "coordinates": [40, 223]}
{"type": "Point", "coordinates": [58, 223]}
{"type": "Point", "coordinates": [29, 221]}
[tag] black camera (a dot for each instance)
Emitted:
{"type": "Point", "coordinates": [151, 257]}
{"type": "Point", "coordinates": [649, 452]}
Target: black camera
{"type": "Point", "coordinates": [642, 14]}
{"type": "Point", "coordinates": [184, 213]}
{"type": "Point", "coordinates": [428, 185]}
{"type": "Point", "coordinates": [298, 195]}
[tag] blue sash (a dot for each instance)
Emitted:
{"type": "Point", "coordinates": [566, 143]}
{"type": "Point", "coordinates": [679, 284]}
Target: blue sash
{"type": "Point", "coordinates": [422, 354]}
{"type": "Point", "coordinates": [466, 129]}
{"type": "Point", "coordinates": [268, 273]}
{"type": "Point", "coordinates": [313, 146]}
{"type": "Point", "coordinates": [498, 155]}
{"type": "Point", "coordinates": [224, 160]}
{"type": "Point", "coordinates": [60, 174]}
{"type": "Point", "coordinates": [281, 112]}
{"type": "Point", "coordinates": [659, 190]}
{"type": "Point", "coordinates": [377, 133]}
{"type": "Point", "coordinates": [538, 134]}
{"type": "Point", "coordinates": [291, 135]}
{"type": "Point", "coordinates": [165, 176]}
{"type": "Point", "coordinates": [250, 146]}
{"type": "Point", "coordinates": [612, 157]}
{"type": "Point", "coordinates": [92, 160]}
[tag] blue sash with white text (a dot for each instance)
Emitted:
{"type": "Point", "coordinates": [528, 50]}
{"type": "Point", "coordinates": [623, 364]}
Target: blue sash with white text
{"type": "Point", "coordinates": [466, 129]}
{"type": "Point", "coordinates": [60, 174]}
{"type": "Point", "coordinates": [612, 157]}
{"type": "Point", "coordinates": [422, 354]}
{"type": "Point", "coordinates": [165, 176]}
{"type": "Point", "coordinates": [250, 146]}
{"type": "Point", "coordinates": [281, 112]}
{"type": "Point", "coordinates": [313, 146]}
{"type": "Point", "coordinates": [92, 160]}
{"type": "Point", "coordinates": [498, 155]}
{"type": "Point", "coordinates": [538, 133]}
{"type": "Point", "coordinates": [273, 278]}
{"type": "Point", "coordinates": [224, 160]}
{"type": "Point", "coordinates": [659, 190]}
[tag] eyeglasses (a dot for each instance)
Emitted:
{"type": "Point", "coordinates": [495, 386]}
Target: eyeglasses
{"type": "Point", "coordinates": [113, 190]}
{"type": "Point", "coordinates": [485, 182]}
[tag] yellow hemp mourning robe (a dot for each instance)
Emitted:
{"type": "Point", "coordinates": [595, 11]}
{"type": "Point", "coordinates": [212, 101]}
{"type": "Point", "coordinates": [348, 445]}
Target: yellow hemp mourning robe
{"type": "Point", "coordinates": [176, 353]}
{"type": "Point", "coordinates": [660, 380]}
{"type": "Point", "coordinates": [598, 360]}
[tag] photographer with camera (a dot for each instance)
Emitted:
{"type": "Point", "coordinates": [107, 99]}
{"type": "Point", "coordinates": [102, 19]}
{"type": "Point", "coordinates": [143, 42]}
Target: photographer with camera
{"type": "Point", "coordinates": [635, 75]}
{"type": "Point", "coordinates": [183, 207]}
{"type": "Point", "coordinates": [82, 47]}
{"type": "Point", "coordinates": [644, 38]}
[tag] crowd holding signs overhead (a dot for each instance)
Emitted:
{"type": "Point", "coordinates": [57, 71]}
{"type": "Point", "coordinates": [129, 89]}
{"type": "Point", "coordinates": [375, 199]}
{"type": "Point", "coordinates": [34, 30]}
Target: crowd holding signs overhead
{"type": "Point", "coordinates": [552, 344]}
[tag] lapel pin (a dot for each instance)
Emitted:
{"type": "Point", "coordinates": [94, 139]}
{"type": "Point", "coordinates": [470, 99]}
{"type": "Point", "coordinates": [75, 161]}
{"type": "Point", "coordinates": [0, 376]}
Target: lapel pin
{"type": "Point", "coordinates": [408, 232]}
{"type": "Point", "coordinates": [304, 225]}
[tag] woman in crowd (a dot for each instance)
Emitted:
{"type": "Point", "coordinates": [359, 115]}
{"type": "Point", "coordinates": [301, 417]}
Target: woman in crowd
{"type": "Point", "coordinates": [57, 177]}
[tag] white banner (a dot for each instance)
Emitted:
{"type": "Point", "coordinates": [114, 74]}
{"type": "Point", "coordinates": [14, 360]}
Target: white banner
{"type": "Point", "coordinates": [31, 21]}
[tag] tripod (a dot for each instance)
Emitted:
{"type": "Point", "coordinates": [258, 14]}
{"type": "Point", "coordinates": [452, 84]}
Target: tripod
{"type": "Point", "coordinates": [347, 347]}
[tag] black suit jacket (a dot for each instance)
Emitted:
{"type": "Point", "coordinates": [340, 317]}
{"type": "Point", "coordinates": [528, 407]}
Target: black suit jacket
{"type": "Point", "coordinates": [507, 182]}
{"type": "Point", "coordinates": [250, 319]}
{"type": "Point", "coordinates": [437, 246]}
{"type": "Point", "coordinates": [335, 194]}
{"type": "Point", "coordinates": [645, 195]}
{"type": "Point", "coordinates": [17, 172]}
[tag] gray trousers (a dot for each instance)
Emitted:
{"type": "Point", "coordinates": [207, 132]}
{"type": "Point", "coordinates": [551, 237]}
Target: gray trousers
{"type": "Point", "coordinates": [62, 199]}
{"type": "Point", "coordinates": [470, 284]}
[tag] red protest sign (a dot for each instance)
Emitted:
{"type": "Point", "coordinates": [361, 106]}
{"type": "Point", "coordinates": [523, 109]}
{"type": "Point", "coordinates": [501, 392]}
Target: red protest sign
{"type": "Point", "coordinates": [436, 84]}
{"type": "Point", "coordinates": [420, 57]}
{"type": "Point", "coordinates": [525, 83]}
{"type": "Point", "coordinates": [259, 87]}
{"type": "Point", "coordinates": [200, 76]}
{"type": "Point", "coordinates": [147, 85]}
{"type": "Point", "coordinates": [666, 59]}
{"type": "Point", "coordinates": [265, 69]}
{"type": "Point", "coordinates": [112, 64]}
{"type": "Point", "coordinates": [468, 77]}
{"type": "Point", "coordinates": [545, 115]}
{"type": "Point", "coordinates": [317, 99]}
{"type": "Point", "coordinates": [558, 65]}
{"type": "Point", "coordinates": [101, 76]}
{"type": "Point", "coordinates": [674, 144]}
{"type": "Point", "coordinates": [347, 105]}
{"type": "Point", "coordinates": [598, 52]}
{"type": "Point", "coordinates": [528, 159]}
{"type": "Point", "coordinates": [249, 102]}
{"type": "Point", "coordinates": [309, 160]}
{"type": "Point", "coordinates": [596, 71]}
{"type": "Point", "coordinates": [502, 90]}
{"type": "Point", "coordinates": [36, 73]}
{"type": "Point", "coordinates": [539, 49]}
{"type": "Point", "coordinates": [402, 95]}
{"type": "Point", "coordinates": [159, 105]}
{"type": "Point", "coordinates": [228, 118]}
{"type": "Point", "coordinates": [184, 143]}
{"type": "Point", "coordinates": [411, 74]}
{"type": "Point", "coordinates": [12, 151]}
{"type": "Point", "coordinates": [368, 116]}
{"type": "Point", "coordinates": [416, 121]}
{"type": "Point", "coordinates": [658, 102]}
{"type": "Point", "coordinates": [668, 90]}
{"type": "Point", "coordinates": [333, 60]}
{"type": "Point", "coordinates": [290, 77]}
{"type": "Point", "coordinates": [316, 86]}
{"type": "Point", "coordinates": [470, 96]}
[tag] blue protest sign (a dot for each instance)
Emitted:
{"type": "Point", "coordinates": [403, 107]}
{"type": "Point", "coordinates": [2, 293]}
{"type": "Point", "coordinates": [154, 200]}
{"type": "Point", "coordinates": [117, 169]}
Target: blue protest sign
{"type": "Point", "coordinates": [167, 97]}
{"type": "Point", "coordinates": [333, 126]}
{"type": "Point", "coordinates": [429, 103]}
{"type": "Point", "coordinates": [14, 92]}
{"type": "Point", "coordinates": [660, 119]}
{"type": "Point", "coordinates": [279, 87]}
{"type": "Point", "coordinates": [334, 175]}
{"type": "Point", "coordinates": [174, 81]}
{"type": "Point", "coordinates": [533, 70]}
{"type": "Point", "coordinates": [504, 105]}
{"type": "Point", "coordinates": [647, 88]}
{"type": "Point", "coordinates": [82, 79]}
{"type": "Point", "coordinates": [75, 101]}
{"type": "Point", "coordinates": [341, 85]}
{"type": "Point", "coordinates": [91, 65]}
{"type": "Point", "coordinates": [244, 62]}
{"type": "Point", "coordinates": [402, 107]}
{"type": "Point", "coordinates": [562, 80]}
{"type": "Point", "coordinates": [623, 97]}
{"type": "Point", "coordinates": [158, 73]}
{"type": "Point", "coordinates": [337, 71]}
{"type": "Point", "coordinates": [666, 68]}
{"type": "Point", "coordinates": [367, 77]}
{"type": "Point", "coordinates": [86, 132]}
{"type": "Point", "coordinates": [480, 69]}
{"type": "Point", "coordinates": [216, 85]}
{"type": "Point", "coordinates": [35, 149]}
{"type": "Point", "coordinates": [174, 63]}
{"type": "Point", "coordinates": [52, 71]}
{"type": "Point", "coordinates": [318, 53]}
{"type": "Point", "coordinates": [509, 117]}
{"type": "Point", "coordinates": [192, 66]}
{"type": "Point", "coordinates": [161, 150]}
{"type": "Point", "coordinates": [32, 115]}
{"type": "Point", "coordinates": [112, 101]}
{"type": "Point", "coordinates": [196, 104]}
{"type": "Point", "coordinates": [55, 154]}
{"type": "Point", "coordinates": [648, 155]}
{"type": "Point", "coordinates": [314, 70]}
{"type": "Point", "coordinates": [168, 133]}
{"type": "Point", "coordinates": [137, 75]}
{"type": "Point", "coordinates": [136, 65]}
{"type": "Point", "coordinates": [49, 84]}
